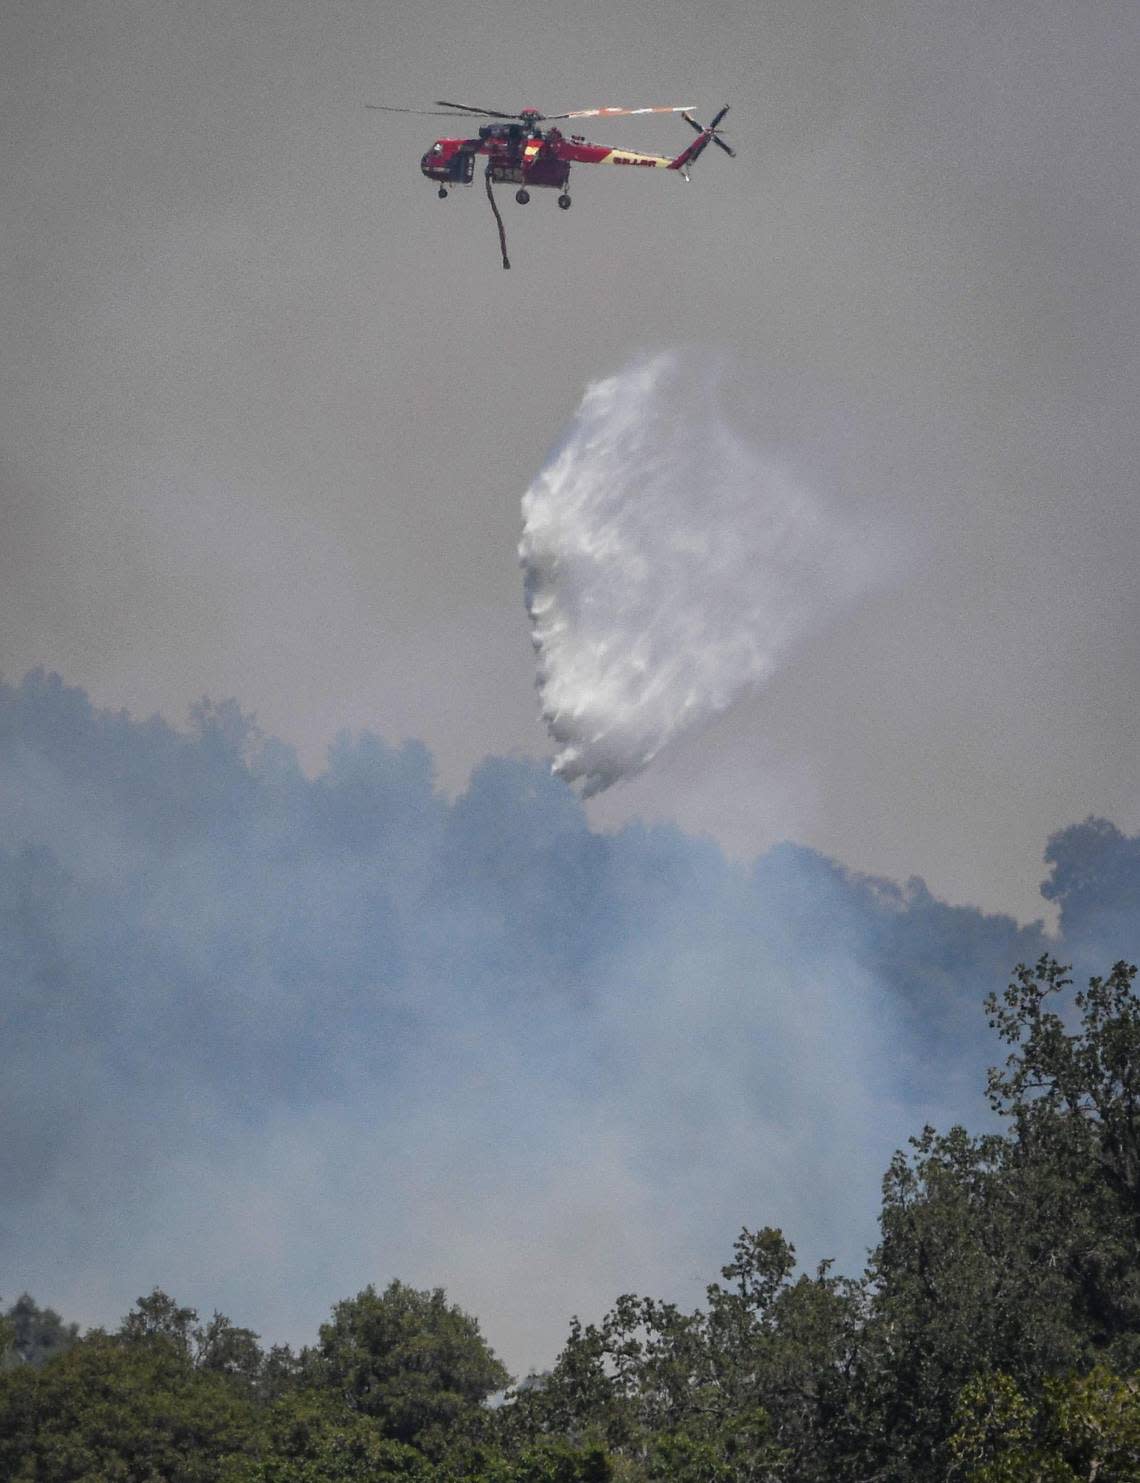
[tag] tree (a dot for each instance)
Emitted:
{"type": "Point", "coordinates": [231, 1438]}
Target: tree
{"type": "Point", "coordinates": [963, 1279]}
{"type": "Point", "coordinates": [1017, 1253]}
{"type": "Point", "coordinates": [219, 1346]}
{"type": "Point", "coordinates": [224, 1349]}
{"type": "Point", "coordinates": [310, 1436]}
{"type": "Point", "coordinates": [110, 1409]}
{"type": "Point", "coordinates": [1073, 1098]}
{"type": "Point", "coordinates": [158, 1317]}
{"type": "Point", "coordinates": [281, 1373]}
{"type": "Point", "coordinates": [1082, 1428]}
{"type": "Point", "coordinates": [787, 1345]}
{"type": "Point", "coordinates": [415, 1362]}
{"type": "Point", "coordinates": [35, 1334]}
{"type": "Point", "coordinates": [753, 1386]}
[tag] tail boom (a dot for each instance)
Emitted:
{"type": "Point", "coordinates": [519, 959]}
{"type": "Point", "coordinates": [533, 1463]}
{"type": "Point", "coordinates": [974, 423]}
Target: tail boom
{"type": "Point", "coordinates": [581, 152]}
{"type": "Point", "coordinates": [601, 154]}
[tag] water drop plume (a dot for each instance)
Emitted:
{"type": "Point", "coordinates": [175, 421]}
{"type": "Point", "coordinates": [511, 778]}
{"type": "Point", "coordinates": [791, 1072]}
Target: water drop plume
{"type": "Point", "coordinates": [669, 564]}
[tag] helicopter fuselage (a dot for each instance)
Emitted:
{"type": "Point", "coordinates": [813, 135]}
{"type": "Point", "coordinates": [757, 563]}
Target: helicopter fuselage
{"type": "Point", "coordinates": [526, 155]}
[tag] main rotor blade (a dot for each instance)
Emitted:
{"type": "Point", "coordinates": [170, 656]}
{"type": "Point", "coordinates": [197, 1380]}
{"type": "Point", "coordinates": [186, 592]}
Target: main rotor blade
{"type": "Point", "coordinates": [617, 112]}
{"type": "Point", "coordinates": [726, 147]}
{"type": "Point", "coordinates": [469, 108]}
{"type": "Point", "coordinates": [423, 112]}
{"type": "Point", "coordinates": [719, 116]}
{"type": "Point", "coordinates": [691, 121]}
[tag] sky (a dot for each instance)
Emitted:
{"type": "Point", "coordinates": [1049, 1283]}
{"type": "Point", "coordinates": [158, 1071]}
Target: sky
{"type": "Point", "coordinates": [269, 408]}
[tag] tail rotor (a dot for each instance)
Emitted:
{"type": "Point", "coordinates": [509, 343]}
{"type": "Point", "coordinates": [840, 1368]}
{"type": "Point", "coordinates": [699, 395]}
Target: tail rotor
{"type": "Point", "coordinates": [711, 132]}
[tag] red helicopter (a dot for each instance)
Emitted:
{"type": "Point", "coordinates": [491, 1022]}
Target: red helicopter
{"type": "Point", "coordinates": [521, 152]}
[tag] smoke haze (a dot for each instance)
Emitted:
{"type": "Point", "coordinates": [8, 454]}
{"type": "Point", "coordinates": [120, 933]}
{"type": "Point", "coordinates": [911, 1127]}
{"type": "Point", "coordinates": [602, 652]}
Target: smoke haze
{"type": "Point", "coordinates": [668, 565]}
{"type": "Point", "coordinates": [268, 1037]}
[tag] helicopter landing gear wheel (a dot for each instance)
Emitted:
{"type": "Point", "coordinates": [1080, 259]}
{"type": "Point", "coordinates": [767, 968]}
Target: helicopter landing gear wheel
{"type": "Point", "coordinates": [443, 193]}
{"type": "Point", "coordinates": [522, 195]}
{"type": "Point", "coordinates": [564, 201]}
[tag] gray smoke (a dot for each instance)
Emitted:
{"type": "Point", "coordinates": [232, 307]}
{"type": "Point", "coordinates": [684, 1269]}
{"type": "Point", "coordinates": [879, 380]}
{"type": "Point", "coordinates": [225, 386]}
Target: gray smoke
{"type": "Point", "coordinates": [270, 1037]}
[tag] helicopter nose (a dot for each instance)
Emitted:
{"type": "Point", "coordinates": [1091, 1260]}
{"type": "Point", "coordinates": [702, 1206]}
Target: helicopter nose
{"type": "Point", "coordinates": [434, 163]}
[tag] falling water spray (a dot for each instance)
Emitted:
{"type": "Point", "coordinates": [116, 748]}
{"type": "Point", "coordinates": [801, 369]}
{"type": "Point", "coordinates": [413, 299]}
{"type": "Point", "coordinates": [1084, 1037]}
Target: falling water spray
{"type": "Point", "coordinates": [669, 566]}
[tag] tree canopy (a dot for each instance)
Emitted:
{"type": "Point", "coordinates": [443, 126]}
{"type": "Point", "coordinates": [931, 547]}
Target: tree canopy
{"type": "Point", "coordinates": [411, 1360]}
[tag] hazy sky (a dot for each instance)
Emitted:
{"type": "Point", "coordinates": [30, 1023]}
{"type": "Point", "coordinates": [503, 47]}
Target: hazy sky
{"type": "Point", "coordinates": [269, 406]}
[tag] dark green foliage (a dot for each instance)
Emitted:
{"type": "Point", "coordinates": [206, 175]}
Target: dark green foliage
{"type": "Point", "coordinates": [410, 1360]}
{"type": "Point", "coordinates": [219, 1346]}
{"type": "Point", "coordinates": [109, 1410]}
{"type": "Point", "coordinates": [965, 1278]}
{"type": "Point", "coordinates": [1015, 1254]}
{"type": "Point", "coordinates": [1081, 1428]}
{"type": "Point", "coordinates": [1073, 1097]}
{"type": "Point", "coordinates": [159, 1318]}
{"type": "Point", "coordinates": [309, 1436]}
{"type": "Point", "coordinates": [557, 1461]}
{"type": "Point", "coordinates": [753, 1386]}
{"type": "Point", "coordinates": [280, 1374]}
{"type": "Point", "coordinates": [224, 1349]}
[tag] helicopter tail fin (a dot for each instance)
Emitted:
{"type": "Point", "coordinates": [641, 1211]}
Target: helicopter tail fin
{"type": "Point", "coordinates": [706, 136]}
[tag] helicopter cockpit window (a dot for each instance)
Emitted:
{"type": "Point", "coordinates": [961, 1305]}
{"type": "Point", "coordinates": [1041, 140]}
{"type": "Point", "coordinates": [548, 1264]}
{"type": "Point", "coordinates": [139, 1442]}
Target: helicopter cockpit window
{"type": "Point", "coordinates": [437, 148]}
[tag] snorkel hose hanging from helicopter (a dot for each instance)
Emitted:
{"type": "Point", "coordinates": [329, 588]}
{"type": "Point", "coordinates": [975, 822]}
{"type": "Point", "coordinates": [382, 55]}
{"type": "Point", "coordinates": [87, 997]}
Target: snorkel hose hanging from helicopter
{"type": "Point", "coordinates": [498, 218]}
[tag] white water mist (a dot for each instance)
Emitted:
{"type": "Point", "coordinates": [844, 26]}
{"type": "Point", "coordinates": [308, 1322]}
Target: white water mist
{"type": "Point", "coordinates": [669, 564]}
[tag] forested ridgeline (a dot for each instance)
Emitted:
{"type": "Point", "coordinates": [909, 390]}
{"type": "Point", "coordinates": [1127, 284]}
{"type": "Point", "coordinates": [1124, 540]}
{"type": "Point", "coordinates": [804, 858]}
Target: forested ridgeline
{"type": "Point", "coordinates": [995, 1334]}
